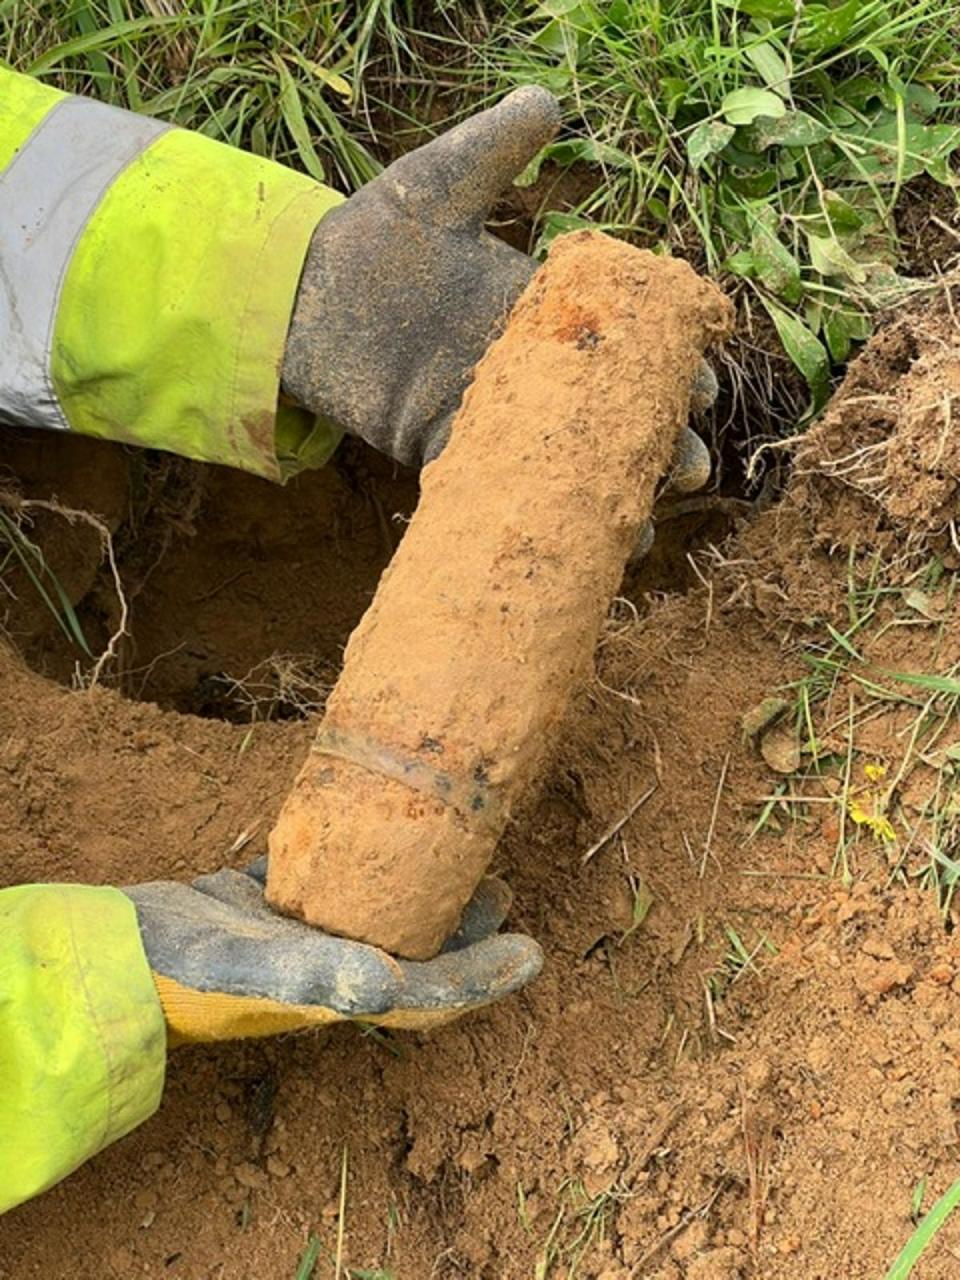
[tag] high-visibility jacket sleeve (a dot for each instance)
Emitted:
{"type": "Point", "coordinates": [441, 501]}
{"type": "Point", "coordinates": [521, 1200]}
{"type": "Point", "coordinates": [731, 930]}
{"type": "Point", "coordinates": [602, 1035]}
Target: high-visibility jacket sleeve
{"type": "Point", "coordinates": [150, 274]}
{"type": "Point", "coordinates": [82, 1034]}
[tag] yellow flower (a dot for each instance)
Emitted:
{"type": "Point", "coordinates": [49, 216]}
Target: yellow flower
{"type": "Point", "coordinates": [878, 823]}
{"type": "Point", "coordinates": [875, 771]}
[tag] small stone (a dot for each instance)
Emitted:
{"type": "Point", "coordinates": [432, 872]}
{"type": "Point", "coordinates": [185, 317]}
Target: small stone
{"type": "Point", "coordinates": [248, 1175]}
{"type": "Point", "coordinates": [277, 1168]}
{"type": "Point", "coordinates": [780, 749]}
{"type": "Point", "coordinates": [878, 977]}
{"type": "Point", "coordinates": [596, 1146]}
{"type": "Point", "coordinates": [758, 1074]}
{"type": "Point", "coordinates": [942, 974]}
{"type": "Point", "coordinates": [763, 715]}
{"type": "Point", "coordinates": [877, 947]}
{"type": "Point", "coordinates": [223, 1112]}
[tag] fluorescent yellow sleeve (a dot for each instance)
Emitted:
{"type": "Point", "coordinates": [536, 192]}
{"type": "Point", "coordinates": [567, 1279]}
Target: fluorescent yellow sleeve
{"type": "Point", "coordinates": [82, 1034]}
{"type": "Point", "coordinates": [175, 307]}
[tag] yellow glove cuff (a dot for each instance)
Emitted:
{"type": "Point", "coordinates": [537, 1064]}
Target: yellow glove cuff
{"type": "Point", "coordinates": [203, 1017]}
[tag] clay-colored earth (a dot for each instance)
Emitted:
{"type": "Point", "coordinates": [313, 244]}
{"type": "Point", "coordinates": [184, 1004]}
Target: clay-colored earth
{"type": "Point", "coordinates": [656, 1105]}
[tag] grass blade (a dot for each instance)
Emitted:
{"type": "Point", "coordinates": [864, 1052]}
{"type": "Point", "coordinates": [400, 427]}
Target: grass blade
{"type": "Point", "coordinates": [291, 108]}
{"type": "Point", "coordinates": [309, 1260]}
{"type": "Point", "coordinates": [938, 684]}
{"type": "Point", "coordinates": [928, 1228]}
{"type": "Point", "coordinates": [67, 620]}
{"type": "Point", "coordinates": [104, 38]}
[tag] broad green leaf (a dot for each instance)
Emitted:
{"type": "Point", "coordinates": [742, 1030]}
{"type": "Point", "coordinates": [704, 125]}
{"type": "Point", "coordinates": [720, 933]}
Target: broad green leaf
{"type": "Point", "coordinates": [743, 106]}
{"type": "Point", "coordinates": [673, 91]}
{"type": "Point", "coordinates": [841, 328]}
{"type": "Point", "coordinates": [775, 265]}
{"type": "Point", "coordinates": [805, 350]}
{"type": "Point", "coordinates": [921, 101]}
{"type": "Point", "coordinates": [886, 155]}
{"type": "Point", "coordinates": [733, 220]}
{"type": "Point", "coordinates": [561, 36]}
{"type": "Point", "coordinates": [830, 258]}
{"type": "Point", "coordinates": [619, 14]}
{"type": "Point", "coordinates": [708, 139]}
{"type": "Point", "coordinates": [570, 151]}
{"type": "Point", "coordinates": [657, 209]}
{"type": "Point", "coordinates": [556, 224]}
{"type": "Point", "coordinates": [792, 129]}
{"type": "Point", "coordinates": [824, 28]}
{"type": "Point", "coordinates": [742, 264]}
{"type": "Point", "coordinates": [588, 150]}
{"type": "Point", "coordinates": [860, 91]}
{"type": "Point", "coordinates": [769, 65]}
{"type": "Point", "coordinates": [558, 9]}
{"type": "Point", "coordinates": [842, 215]}
{"type": "Point", "coordinates": [771, 10]}
{"type": "Point", "coordinates": [839, 117]}
{"type": "Point", "coordinates": [737, 157]}
{"type": "Point", "coordinates": [753, 186]}
{"type": "Point", "coordinates": [787, 166]}
{"type": "Point", "coordinates": [813, 312]}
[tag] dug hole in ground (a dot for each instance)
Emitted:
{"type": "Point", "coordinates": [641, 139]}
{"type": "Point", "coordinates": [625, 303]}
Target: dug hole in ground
{"type": "Point", "coordinates": [742, 1059]}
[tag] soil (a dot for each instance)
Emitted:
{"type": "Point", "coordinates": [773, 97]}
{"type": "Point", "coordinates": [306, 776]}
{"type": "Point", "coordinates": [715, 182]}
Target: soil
{"type": "Point", "coordinates": [444, 713]}
{"type": "Point", "coordinates": [742, 1059]}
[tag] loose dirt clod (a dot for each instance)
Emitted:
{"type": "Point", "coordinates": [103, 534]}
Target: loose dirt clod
{"type": "Point", "coordinates": [456, 679]}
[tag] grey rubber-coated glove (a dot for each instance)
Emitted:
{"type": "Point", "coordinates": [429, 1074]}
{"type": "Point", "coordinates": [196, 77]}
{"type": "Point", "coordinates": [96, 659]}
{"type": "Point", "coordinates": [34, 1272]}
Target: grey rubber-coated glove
{"type": "Point", "coordinates": [403, 290]}
{"type": "Point", "coordinates": [226, 966]}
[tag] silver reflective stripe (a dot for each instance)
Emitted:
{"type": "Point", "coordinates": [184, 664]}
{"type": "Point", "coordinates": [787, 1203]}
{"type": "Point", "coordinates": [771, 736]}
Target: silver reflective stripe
{"type": "Point", "coordinates": [47, 194]}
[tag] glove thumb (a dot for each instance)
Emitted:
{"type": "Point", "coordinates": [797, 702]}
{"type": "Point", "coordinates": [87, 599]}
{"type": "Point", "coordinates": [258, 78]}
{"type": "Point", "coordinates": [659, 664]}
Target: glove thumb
{"type": "Point", "coordinates": [454, 180]}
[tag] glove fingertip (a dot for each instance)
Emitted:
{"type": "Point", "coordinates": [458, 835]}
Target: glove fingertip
{"type": "Point", "coordinates": [474, 976]}
{"type": "Point", "coordinates": [257, 870]}
{"type": "Point", "coordinates": [691, 464]}
{"type": "Point", "coordinates": [483, 915]}
{"type": "Point", "coordinates": [705, 388]}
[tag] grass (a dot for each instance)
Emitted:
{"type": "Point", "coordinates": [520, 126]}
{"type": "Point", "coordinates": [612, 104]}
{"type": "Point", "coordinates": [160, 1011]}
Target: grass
{"type": "Point", "coordinates": [16, 549]}
{"type": "Point", "coordinates": [908, 1257]}
{"type": "Point", "coordinates": [832, 708]}
{"type": "Point", "coordinates": [306, 1268]}
{"type": "Point", "coordinates": [580, 1225]}
{"type": "Point", "coordinates": [772, 144]}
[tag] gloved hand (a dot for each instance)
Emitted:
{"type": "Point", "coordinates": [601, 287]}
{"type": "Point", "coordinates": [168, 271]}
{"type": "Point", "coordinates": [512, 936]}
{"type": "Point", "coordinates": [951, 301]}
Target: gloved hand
{"type": "Point", "coordinates": [226, 966]}
{"type": "Point", "coordinates": [403, 290]}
